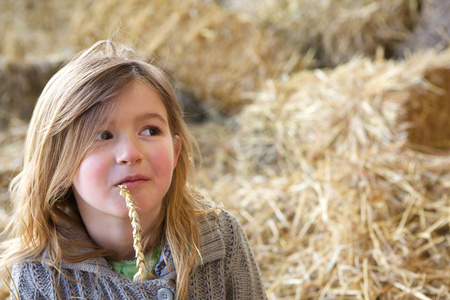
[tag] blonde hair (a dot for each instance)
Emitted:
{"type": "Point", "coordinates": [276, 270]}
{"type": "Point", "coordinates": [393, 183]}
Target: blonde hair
{"type": "Point", "coordinates": [69, 112]}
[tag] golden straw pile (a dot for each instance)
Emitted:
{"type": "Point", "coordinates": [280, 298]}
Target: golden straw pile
{"type": "Point", "coordinates": [215, 53]}
{"type": "Point", "coordinates": [215, 62]}
{"type": "Point", "coordinates": [339, 30]}
{"type": "Point", "coordinates": [336, 203]}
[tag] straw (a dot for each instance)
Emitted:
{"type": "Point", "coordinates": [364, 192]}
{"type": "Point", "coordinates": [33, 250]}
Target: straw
{"type": "Point", "coordinates": [332, 153]}
{"type": "Point", "coordinates": [141, 274]}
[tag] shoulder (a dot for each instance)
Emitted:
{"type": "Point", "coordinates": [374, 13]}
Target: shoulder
{"type": "Point", "coordinates": [230, 259]}
{"type": "Point", "coordinates": [234, 237]}
{"type": "Point", "coordinates": [30, 267]}
{"type": "Point", "coordinates": [227, 221]}
{"type": "Point", "coordinates": [31, 279]}
{"type": "Point", "coordinates": [221, 235]}
{"type": "Point", "coordinates": [226, 224]}
{"type": "Point", "coordinates": [217, 219]}
{"type": "Point", "coordinates": [37, 278]}
{"type": "Point", "coordinates": [218, 224]}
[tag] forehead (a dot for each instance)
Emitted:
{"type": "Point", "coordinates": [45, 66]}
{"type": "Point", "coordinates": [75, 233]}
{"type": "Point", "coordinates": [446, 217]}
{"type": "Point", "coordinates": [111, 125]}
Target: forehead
{"type": "Point", "coordinates": [138, 100]}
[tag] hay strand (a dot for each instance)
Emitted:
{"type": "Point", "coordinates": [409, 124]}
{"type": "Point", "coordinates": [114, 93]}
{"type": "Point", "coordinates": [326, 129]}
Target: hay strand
{"type": "Point", "coordinates": [142, 272]}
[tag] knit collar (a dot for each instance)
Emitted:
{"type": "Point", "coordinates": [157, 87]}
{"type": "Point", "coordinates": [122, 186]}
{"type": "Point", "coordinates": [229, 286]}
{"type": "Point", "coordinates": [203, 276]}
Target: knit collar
{"type": "Point", "coordinates": [211, 248]}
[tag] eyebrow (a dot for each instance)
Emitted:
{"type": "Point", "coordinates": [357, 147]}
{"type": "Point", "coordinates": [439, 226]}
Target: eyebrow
{"type": "Point", "coordinates": [147, 116]}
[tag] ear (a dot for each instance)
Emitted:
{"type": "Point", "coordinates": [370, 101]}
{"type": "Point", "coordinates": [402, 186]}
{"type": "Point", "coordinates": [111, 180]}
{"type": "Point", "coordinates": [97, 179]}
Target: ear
{"type": "Point", "coordinates": [176, 150]}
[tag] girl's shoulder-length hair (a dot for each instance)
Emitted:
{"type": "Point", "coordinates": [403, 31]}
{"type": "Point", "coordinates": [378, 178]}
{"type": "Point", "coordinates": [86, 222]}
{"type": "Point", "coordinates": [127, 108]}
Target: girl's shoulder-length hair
{"type": "Point", "coordinates": [72, 108]}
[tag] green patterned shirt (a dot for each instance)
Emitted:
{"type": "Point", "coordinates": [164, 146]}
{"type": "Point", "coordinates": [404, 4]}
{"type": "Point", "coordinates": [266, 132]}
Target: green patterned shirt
{"type": "Point", "coordinates": [128, 267]}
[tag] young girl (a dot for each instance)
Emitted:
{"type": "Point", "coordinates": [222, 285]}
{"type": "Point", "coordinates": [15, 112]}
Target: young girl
{"type": "Point", "coordinates": [107, 119]}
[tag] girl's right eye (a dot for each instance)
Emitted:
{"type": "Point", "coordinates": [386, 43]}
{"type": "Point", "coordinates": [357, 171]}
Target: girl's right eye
{"type": "Point", "coordinates": [104, 135]}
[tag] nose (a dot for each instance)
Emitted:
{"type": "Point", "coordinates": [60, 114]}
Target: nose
{"type": "Point", "coordinates": [128, 152]}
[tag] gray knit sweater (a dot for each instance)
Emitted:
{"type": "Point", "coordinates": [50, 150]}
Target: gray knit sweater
{"type": "Point", "coordinates": [228, 271]}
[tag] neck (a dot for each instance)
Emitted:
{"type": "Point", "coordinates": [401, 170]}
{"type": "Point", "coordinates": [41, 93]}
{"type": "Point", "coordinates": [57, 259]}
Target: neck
{"type": "Point", "coordinates": [117, 234]}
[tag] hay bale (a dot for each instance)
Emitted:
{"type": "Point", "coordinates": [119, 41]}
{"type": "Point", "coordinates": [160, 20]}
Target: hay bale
{"type": "Point", "coordinates": [22, 83]}
{"type": "Point", "coordinates": [337, 31]}
{"type": "Point", "coordinates": [334, 32]}
{"type": "Point", "coordinates": [361, 30]}
{"type": "Point", "coordinates": [215, 53]}
{"type": "Point", "coordinates": [218, 54]}
{"type": "Point", "coordinates": [336, 203]}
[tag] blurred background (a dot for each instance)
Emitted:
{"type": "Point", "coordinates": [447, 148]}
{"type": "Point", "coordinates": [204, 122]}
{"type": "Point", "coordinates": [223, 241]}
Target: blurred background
{"type": "Point", "coordinates": [323, 125]}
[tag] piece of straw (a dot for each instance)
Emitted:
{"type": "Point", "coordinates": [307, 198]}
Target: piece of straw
{"type": "Point", "coordinates": [131, 205]}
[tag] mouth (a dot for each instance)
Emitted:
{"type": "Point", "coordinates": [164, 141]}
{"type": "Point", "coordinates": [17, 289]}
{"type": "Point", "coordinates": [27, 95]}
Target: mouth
{"type": "Point", "coordinates": [133, 181]}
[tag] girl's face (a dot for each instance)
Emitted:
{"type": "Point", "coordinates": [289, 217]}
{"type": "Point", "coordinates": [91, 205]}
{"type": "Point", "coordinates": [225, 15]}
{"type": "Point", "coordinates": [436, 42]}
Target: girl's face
{"type": "Point", "coordinates": [135, 149]}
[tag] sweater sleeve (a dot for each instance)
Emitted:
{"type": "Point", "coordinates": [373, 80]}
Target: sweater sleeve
{"type": "Point", "coordinates": [31, 280]}
{"type": "Point", "coordinates": [243, 279]}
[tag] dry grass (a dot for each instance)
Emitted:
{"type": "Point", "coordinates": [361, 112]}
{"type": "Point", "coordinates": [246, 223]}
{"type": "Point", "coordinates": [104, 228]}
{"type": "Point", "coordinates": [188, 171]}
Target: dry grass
{"type": "Point", "coordinates": [237, 54]}
{"type": "Point", "coordinates": [337, 31]}
{"type": "Point", "coordinates": [335, 202]}
{"type": "Point", "coordinates": [218, 54]}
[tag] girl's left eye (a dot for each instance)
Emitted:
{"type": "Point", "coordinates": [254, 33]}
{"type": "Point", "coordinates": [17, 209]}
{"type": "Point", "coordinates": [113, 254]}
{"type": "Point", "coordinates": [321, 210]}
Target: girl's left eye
{"type": "Point", "coordinates": [151, 130]}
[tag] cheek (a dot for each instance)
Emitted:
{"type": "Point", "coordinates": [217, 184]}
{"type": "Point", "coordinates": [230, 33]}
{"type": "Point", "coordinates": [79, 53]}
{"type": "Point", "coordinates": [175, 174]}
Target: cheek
{"type": "Point", "coordinates": [163, 161]}
{"type": "Point", "coordinates": [90, 172]}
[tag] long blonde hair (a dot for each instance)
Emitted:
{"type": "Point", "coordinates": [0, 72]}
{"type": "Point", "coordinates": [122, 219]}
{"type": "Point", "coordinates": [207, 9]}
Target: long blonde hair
{"type": "Point", "coordinates": [69, 112]}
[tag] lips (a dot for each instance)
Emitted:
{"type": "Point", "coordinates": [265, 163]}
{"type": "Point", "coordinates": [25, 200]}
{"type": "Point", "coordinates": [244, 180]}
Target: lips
{"type": "Point", "coordinates": [133, 181]}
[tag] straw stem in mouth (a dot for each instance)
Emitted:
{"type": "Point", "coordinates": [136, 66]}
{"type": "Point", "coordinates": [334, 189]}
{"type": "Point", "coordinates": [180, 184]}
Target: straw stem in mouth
{"type": "Point", "coordinates": [140, 259]}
